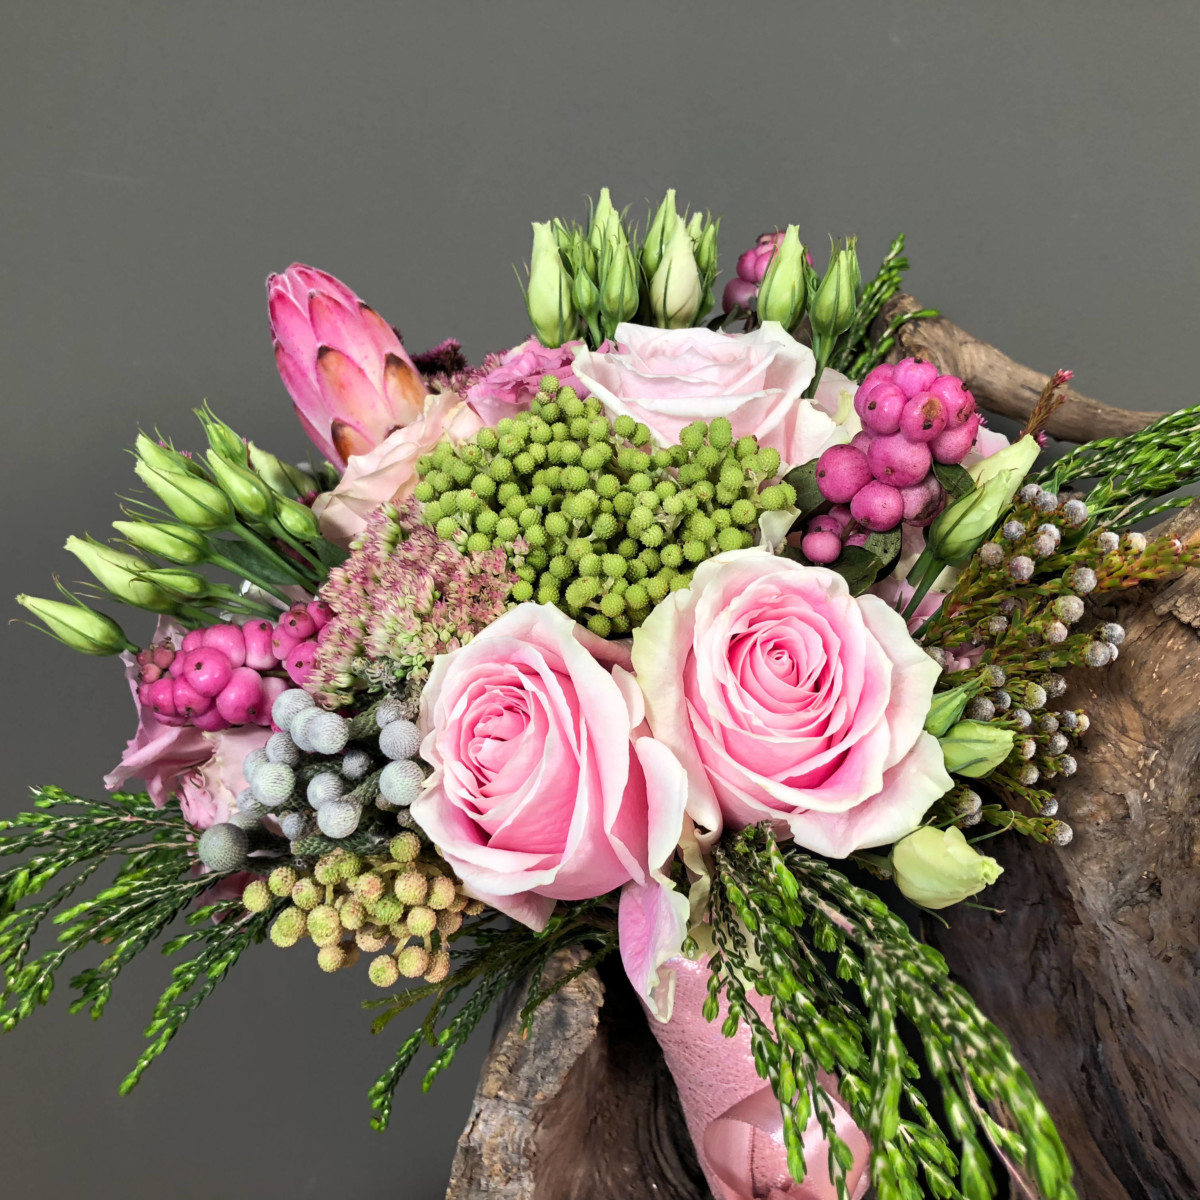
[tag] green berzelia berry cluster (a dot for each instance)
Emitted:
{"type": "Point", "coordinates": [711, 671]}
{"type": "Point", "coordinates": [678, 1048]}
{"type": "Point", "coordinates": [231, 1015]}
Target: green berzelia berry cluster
{"type": "Point", "coordinates": [592, 516]}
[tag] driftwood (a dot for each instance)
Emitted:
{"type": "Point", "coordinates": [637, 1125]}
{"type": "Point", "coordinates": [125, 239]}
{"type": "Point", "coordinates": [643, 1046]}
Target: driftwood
{"type": "Point", "coordinates": [1091, 970]}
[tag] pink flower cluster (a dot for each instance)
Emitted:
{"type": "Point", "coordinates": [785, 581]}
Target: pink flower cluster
{"type": "Point", "coordinates": [912, 417]}
{"type": "Point", "coordinates": [229, 674]}
{"type": "Point", "coordinates": [510, 381]}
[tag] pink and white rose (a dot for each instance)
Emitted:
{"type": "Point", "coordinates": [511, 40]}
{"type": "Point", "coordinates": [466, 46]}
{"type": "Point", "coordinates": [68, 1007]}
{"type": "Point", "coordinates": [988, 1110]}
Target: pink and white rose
{"type": "Point", "coordinates": [546, 785]}
{"type": "Point", "coordinates": [510, 386]}
{"type": "Point", "coordinates": [668, 378]}
{"type": "Point", "coordinates": [388, 473]}
{"type": "Point", "coordinates": [789, 700]}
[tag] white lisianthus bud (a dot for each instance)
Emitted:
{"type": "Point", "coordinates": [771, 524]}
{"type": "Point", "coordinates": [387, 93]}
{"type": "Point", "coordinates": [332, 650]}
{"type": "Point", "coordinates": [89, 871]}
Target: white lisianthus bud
{"type": "Point", "coordinates": [676, 288]}
{"type": "Point", "coordinates": [551, 309]}
{"type": "Point", "coordinates": [937, 867]}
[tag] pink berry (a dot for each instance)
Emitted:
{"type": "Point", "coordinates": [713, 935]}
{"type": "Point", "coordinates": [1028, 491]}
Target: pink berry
{"type": "Point", "coordinates": [258, 635]}
{"type": "Point", "coordinates": [873, 378]}
{"type": "Point", "coordinates": [898, 461]}
{"type": "Point", "coordinates": [210, 722]}
{"type": "Point", "coordinates": [825, 524]}
{"type": "Point", "coordinates": [176, 667]}
{"type": "Point", "coordinates": [150, 673]}
{"type": "Point", "coordinates": [922, 501]}
{"type": "Point", "coordinates": [881, 413]}
{"type": "Point", "coordinates": [192, 640]}
{"type": "Point", "coordinates": [954, 444]}
{"type": "Point", "coordinates": [878, 507]}
{"type": "Point", "coordinates": [841, 471]}
{"type": "Point", "coordinates": [739, 293]}
{"type": "Point", "coordinates": [297, 623]}
{"type": "Point", "coordinates": [821, 547]}
{"type": "Point", "coordinates": [272, 687]}
{"type": "Point", "coordinates": [299, 662]}
{"type": "Point", "coordinates": [841, 514]}
{"type": "Point", "coordinates": [857, 539]}
{"type": "Point", "coordinates": [160, 698]}
{"type": "Point", "coordinates": [282, 643]}
{"type": "Point", "coordinates": [189, 702]}
{"type": "Point", "coordinates": [862, 440]}
{"type": "Point", "coordinates": [229, 640]}
{"type": "Point", "coordinates": [162, 655]}
{"type": "Point", "coordinates": [320, 612]}
{"type": "Point", "coordinates": [914, 375]}
{"type": "Point", "coordinates": [207, 670]}
{"type": "Point", "coordinates": [240, 700]}
{"type": "Point", "coordinates": [950, 389]}
{"type": "Point", "coordinates": [923, 418]}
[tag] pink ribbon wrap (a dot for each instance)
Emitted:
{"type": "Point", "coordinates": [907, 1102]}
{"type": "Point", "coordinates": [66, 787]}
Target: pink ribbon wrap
{"type": "Point", "coordinates": [733, 1117]}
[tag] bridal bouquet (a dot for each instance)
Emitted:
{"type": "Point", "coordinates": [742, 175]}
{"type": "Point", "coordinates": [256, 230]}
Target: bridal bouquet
{"type": "Point", "coordinates": [655, 635]}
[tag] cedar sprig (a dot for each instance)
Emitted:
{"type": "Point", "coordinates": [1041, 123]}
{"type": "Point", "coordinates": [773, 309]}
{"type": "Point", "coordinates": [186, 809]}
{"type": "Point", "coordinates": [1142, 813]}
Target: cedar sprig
{"type": "Point", "coordinates": [780, 916]}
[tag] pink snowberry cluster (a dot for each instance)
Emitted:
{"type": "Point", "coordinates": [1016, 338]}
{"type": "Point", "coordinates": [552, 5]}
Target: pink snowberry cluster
{"type": "Point", "coordinates": [912, 417]}
{"type": "Point", "coordinates": [742, 290]}
{"type": "Point", "coordinates": [230, 674]}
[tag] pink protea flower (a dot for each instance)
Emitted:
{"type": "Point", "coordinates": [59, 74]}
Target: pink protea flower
{"type": "Point", "coordinates": [347, 373]}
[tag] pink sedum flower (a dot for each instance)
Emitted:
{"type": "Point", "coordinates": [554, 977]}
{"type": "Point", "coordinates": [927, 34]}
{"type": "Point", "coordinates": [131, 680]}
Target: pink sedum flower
{"type": "Point", "coordinates": [389, 472]}
{"type": "Point", "coordinates": [668, 378]}
{"type": "Point", "coordinates": [511, 385]}
{"type": "Point", "coordinates": [203, 769]}
{"type": "Point", "coordinates": [546, 785]}
{"type": "Point", "coordinates": [350, 379]}
{"type": "Point", "coordinates": [789, 700]}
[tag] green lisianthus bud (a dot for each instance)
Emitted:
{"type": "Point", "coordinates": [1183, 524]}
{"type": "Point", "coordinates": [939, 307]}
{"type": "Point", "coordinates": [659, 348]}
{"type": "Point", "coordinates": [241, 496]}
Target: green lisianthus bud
{"type": "Point", "coordinates": [178, 582]}
{"type": "Point", "coordinates": [250, 495]}
{"type": "Point", "coordinates": [122, 575]}
{"type": "Point", "coordinates": [195, 501]}
{"type": "Point", "coordinates": [279, 476]}
{"type": "Point", "coordinates": [975, 748]}
{"type": "Point", "coordinates": [551, 310]}
{"type": "Point", "coordinates": [783, 291]}
{"type": "Point", "coordinates": [947, 707]}
{"type": "Point", "coordinates": [963, 527]}
{"type": "Point", "coordinates": [78, 626]}
{"type": "Point", "coordinates": [175, 543]}
{"type": "Point", "coordinates": [658, 236]}
{"type": "Point", "coordinates": [586, 295]}
{"type": "Point", "coordinates": [297, 520]}
{"type": "Point", "coordinates": [832, 308]}
{"type": "Point", "coordinates": [675, 287]}
{"type": "Point", "coordinates": [706, 250]}
{"type": "Point", "coordinates": [162, 458]}
{"type": "Point", "coordinates": [605, 224]}
{"type": "Point", "coordinates": [618, 284]}
{"type": "Point", "coordinates": [695, 227]}
{"type": "Point", "coordinates": [224, 440]}
{"type": "Point", "coordinates": [937, 867]}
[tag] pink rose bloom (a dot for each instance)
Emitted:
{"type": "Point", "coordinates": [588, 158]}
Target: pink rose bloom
{"type": "Point", "coordinates": [511, 386]}
{"type": "Point", "coordinates": [203, 769]}
{"type": "Point", "coordinates": [545, 785]}
{"type": "Point", "coordinates": [389, 472]}
{"type": "Point", "coordinates": [668, 378]}
{"type": "Point", "coordinates": [789, 700]}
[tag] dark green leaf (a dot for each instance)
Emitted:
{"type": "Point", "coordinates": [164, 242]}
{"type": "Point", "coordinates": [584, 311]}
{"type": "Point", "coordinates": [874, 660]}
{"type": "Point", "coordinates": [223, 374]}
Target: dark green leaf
{"type": "Point", "coordinates": [956, 479]}
{"type": "Point", "coordinates": [886, 546]}
{"type": "Point", "coordinates": [858, 567]}
{"type": "Point", "coordinates": [808, 495]}
{"type": "Point", "coordinates": [256, 562]}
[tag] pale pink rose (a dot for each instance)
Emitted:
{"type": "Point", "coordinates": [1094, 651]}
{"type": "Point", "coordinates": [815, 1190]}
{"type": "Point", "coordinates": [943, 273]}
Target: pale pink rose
{"type": "Point", "coordinates": [789, 700]}
{"type": "Point", "coordinates": [389, 472]}
{"type": "Point", "coordinates": [546, 785]}
{"type": "Point", "coordinates": [511, 386]}
{"type": "Point", "coordinates": [203, 769]}
{"type": "Point", "coordinates": [668, 378]}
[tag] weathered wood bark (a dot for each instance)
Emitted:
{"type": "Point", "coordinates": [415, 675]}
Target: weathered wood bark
{"type": "Point", "coordinates": [1093, 969]}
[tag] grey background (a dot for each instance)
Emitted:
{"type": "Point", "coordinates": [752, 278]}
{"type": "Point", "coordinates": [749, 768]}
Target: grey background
{"type": "Point", "coordinates": [158, 159]}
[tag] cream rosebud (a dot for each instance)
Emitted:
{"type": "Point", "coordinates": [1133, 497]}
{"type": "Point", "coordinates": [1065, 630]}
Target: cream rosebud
{"type": "Point", "coordinates": [782, 294]}
{"type": "Point", "coordinates": [195, 501]}
{"type": "Point", "coordinates": [963, 527]}
{"type": "Point", "coordinates": [658, 236]}
{"type": "Point", "coordinates": [833, 306]}
{"type": "Point", "coordinates": [975, 748]}
{"type": "Point", "coordinates": [937, 867]}
{"type": "Point", "coordinates": [676, 288]}
{"type": "Point", "coordinates": [250, 495]}
{"type": "Point", "coordinates": [175, 543]}
{"type": "Point", "coordinates": [120, 574]}
{"type": "Point", "coordinates": [78, 626]}
{"type": "Point", "coordinates": [551, 310]}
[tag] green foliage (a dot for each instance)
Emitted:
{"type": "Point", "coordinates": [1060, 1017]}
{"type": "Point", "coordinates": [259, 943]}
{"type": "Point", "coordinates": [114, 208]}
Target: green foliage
{"type": "Point", "coordinates": [1130, 473]}
{"type": "Point", "coordinates": [154, 886]}
{"type": "Point", "coordinates": [499, 957]}
{"type": "Point", "coordinates": [842, 973]}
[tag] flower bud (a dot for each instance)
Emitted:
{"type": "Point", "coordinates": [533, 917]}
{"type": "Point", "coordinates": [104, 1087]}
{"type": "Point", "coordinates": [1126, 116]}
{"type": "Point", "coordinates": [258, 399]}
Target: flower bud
{"type": "Point", "coordinates": [676, 288]}
{"type": "Point", "coordinates": [78, 626]}
{"type": "Point", "coordinates": [937, 867]}
{"type": "Point", "coordinates": [551, 311]}
{"type": "Point", "coordinates": [251, 497]}
{"type": "Point", "coordinates": [833, 306]}
{"type": "Point", "coordinates": [163, 458]}
{"type": "Point", "coordinates": [122, 575]}
{"type": "Point", "coordinates": [706, 250]}
{"type": "Point", "coordinates": [975, 748]}
{"type": "Point", "coordinates": [296, 519]}
{"type": "Point", "coordinates": [659, 234]}
{"type": "Point", "coordinates": [224, 440]}
{"type": "Point", "coordinates": [175, 581]}
{"type": "Point", "coordinates": [605, 224]}
{"type": "Point", "coordinates": [782, 294]}
{"type": "Point", "coordinates": [947, 707]}
{"type": "Point", "coordinates": [195, 501]}
{"type": "Point", "coordinates": [279, 476]}
{"type": "Point", "coordinates": [175, 543]}
{"type": "Point", "coordinates": [618, 284]}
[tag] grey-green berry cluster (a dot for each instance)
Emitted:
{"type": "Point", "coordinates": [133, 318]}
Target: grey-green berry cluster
{"type": "Point", "coordinates": [592, 517]}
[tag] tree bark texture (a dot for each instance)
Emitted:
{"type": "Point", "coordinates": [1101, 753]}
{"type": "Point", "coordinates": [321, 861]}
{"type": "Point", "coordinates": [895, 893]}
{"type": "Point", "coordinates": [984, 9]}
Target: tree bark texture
{"type": "Point", "coordinates": [1091, 969]}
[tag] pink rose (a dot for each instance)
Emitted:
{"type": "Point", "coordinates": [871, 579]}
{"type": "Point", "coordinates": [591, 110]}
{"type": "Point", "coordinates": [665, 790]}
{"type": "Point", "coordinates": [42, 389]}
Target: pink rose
{"type": "Point", "coordinates": [511, 386]}
{"type": "Point", "coordinates": [787, 699]}
{"type": "Point", "coordinates": [545, 786]}
{"type": "Point", "coordinates": [389, 472]}
{"type": "Point", "coordinates": [203, 769]}
{"type": "Point", "coordinates": [668, 378]}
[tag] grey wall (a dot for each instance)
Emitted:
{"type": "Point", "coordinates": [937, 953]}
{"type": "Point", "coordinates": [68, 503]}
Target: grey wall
{"type": "Point", "coordinates": [158, 159]}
